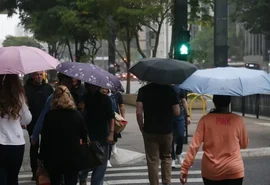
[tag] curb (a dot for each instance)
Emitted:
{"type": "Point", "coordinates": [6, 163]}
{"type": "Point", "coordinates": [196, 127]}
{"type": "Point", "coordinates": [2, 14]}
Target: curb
{"type": "Point", "coordinates": [246, 153]}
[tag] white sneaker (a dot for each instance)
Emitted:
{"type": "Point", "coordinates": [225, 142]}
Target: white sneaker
{"type": "Point", "coordinates": [173, 163]}
{"type": "Point", "coordinates": [180, 159]}
{"type": "Point", "coordinates": [114, 149]}
{"type": "Point", "coordinates": [109, 165]}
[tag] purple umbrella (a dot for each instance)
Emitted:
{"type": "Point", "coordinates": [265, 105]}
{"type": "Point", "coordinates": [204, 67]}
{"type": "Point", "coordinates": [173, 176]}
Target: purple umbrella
{"type": "Point", "coordinates": [25, 60]}
{"type": "Point", "coordinates": [89, 73]}
{"type": "Point", "coordinates": [117, 86]}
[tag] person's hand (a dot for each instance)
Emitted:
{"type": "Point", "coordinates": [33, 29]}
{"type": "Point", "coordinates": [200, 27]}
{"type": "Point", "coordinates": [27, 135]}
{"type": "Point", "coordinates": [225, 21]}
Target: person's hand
{"type": "Point", "coordinates": [110, 138]}
{"type": "Point", "coordinates": [188, 120]}
{"type": "Point", "coordinates": [183, 178]}
{"type": "Point", "coordinates": [33, 142]}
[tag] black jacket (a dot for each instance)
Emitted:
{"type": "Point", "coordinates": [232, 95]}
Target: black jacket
{"type": "Point", "coordinates": [36, 96]}
{"type": "Point", "coordinates": [60, 140]}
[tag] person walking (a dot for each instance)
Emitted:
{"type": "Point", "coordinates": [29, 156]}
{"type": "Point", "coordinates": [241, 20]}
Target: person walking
{"type": "Point", "coordinates": [37, 91]}
{"type": "Point", "coordinates": [179, 127]}
{"type": "Point", "coordinates": [99, 118]}
{"type": "Point", "coordinates": [156, 106]}
{"type": "Point", "coordinates": [223, 134]}
{"type": "Point", "coordinates": [14, 114]}
{"type": "Point", "coordinates": [63, 129]}
{"type": "Point", "coordinates": [119, 108]}
{"type": "Point", "coordinates": [63, 80]}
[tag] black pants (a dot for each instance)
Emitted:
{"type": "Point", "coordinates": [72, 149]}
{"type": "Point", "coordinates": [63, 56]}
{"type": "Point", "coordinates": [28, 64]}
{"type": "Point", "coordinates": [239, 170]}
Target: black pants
{"type": "Point", "coordinates": [179, 140]}
{"type": "Point", "coordinates": [11, 158]}
{"type": "Point", "coordinates": [34, 155]}
{"type": "Point", "coordinates": [115, 138]}
{"type": "Point", "coordinates": [69, 178]}
{"type": "Point", "coordinates": [223, 182]}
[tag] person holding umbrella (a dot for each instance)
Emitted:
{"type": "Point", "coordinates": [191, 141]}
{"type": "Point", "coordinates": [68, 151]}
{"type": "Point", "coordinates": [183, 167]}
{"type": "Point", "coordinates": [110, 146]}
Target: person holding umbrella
{"type": "Point", "coordinates": [14, 114]}
{"type": "Point", "coordinates": [223, 135]}
{"type": "Point", "coordinates": [156, 106]}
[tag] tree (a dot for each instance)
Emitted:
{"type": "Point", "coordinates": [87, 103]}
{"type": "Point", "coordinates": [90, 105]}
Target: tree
{"type": "Point", "coordinates": [253, 15]}
{"type": "Point", "coordinates": [203, 46]}
{"type": "Point", "coordinates": [60, 23]}
{"type": "Point", "coordinates": [21, 41]}
{"type": "Point", "coordinates": [155, 13]}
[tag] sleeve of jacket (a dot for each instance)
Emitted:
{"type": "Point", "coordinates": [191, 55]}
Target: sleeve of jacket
{"type": "Point", "coordinates": [194, 146]}
{"type": "Point", "coordinates": [39, 123]}
{"type": "Point", "coordinates": [44, 138]}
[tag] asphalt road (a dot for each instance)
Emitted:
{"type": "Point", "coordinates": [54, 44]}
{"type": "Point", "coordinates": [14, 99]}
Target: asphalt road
{"type": "Point", "coordinates": [256, 173]}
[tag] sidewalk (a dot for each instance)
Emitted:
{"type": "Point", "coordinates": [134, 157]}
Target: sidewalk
{"type": "Point", "coordinates": [130, 148]}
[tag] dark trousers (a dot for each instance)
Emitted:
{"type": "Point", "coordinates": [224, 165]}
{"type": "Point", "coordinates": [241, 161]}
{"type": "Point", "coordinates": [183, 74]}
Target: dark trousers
{"type": "Point", "coordinates": [179, 141]}
{"type": "Point", "coordinates": [57, 178]}
{"type": "Point", "coordinates": [223, 182]}
{"type": "Point", "coordinates": [34, 156]}
{"type": "Point", "coordinates": [11, 158]}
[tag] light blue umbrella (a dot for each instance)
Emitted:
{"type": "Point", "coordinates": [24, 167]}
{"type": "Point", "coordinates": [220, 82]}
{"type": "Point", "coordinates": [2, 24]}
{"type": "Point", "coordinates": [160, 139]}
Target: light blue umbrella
{"type": "Point", "coordinates": [230, 81]}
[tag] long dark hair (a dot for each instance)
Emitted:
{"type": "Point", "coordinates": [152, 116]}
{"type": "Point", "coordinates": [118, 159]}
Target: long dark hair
{"type": "Point", "coordinates": [11, 94]}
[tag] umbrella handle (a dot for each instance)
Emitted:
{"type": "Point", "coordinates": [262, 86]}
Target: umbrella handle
{"type": "Point", "coordinates": [3, 79]}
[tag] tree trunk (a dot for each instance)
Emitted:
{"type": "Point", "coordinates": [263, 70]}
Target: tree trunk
{"type": "Point", "coordinates": [172, 42]}
{"type": "Point", "coordinates": [69, 50]}
{"type": "Point", "coordinates": [138, 44]}
{"type": "Point", "coordinates": [157, 40]}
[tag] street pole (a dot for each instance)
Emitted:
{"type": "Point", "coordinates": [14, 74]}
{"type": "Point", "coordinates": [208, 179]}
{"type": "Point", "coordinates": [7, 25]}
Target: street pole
{"type": "Point", "coordinates": [181, 24]}
{"type": "Point", "coordinates": [111, 46]}
{"type": "Point", "coordinates": [221, 33]}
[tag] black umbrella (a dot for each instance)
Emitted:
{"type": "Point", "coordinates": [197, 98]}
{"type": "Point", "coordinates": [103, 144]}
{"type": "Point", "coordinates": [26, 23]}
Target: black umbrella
{"type": "Point", "coordinates": [163, 70]}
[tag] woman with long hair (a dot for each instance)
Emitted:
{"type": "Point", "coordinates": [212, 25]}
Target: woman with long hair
{"type": "Point", "coordinates": [63, 130]}
{"type": "Point", "coordinates": [14, 114]}
{"type": "Point", "coordinates": [223, 134]}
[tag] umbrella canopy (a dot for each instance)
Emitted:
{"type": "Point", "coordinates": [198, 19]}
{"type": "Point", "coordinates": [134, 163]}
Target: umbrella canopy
{"type": "Point", "coordinates": [117, 86]}
{"type": "Point", "coordinates": [228, 81]}
{"type": "Point", "coordinates": [163, 70]}
{"type": "Point", "coordinates": [88, 73]}
{"type": "Point", "coordinates": [25, 60]}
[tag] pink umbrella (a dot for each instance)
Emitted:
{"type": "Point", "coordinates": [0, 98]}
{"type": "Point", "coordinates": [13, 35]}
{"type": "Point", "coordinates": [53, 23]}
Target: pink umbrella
{"type": "Point", "coordinates": [25, 60]}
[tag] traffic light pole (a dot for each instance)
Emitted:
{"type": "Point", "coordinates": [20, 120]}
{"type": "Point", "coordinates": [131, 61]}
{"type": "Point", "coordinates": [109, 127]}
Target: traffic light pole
{"type": "Point", "coordinates": [111, 48]}
{"type": "Point", "coordinates": [221, 33]}
{"type": "Point", "coordinates": [181, 30]}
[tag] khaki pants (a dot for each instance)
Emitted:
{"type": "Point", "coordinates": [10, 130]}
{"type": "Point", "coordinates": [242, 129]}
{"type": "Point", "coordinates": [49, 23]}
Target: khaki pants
{"type": "Point", "coordinates": [158, 147]}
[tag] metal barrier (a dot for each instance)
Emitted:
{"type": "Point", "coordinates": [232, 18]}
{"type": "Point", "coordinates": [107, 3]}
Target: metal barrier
{"type": "Point", "coordinates": [201, 96]}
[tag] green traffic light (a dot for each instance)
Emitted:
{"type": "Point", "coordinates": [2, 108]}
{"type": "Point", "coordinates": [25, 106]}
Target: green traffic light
{"type": "Point", "coordinates": [184, 50]}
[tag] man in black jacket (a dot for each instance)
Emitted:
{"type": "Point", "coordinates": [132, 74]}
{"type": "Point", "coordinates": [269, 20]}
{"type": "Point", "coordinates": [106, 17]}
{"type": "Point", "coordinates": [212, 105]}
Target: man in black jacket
{"type": "Point", "coordinates": [37, 92]}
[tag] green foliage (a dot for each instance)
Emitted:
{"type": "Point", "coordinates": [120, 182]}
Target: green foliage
{"type": "Point", "coordinates": [199, 13]}
{"type": "Point", "coordinates": [21, 41]}
{"type": "Point", "coordinates": [202, 46]}
{"type": "Point", "coordinates": [253, 15]}
{"type": "Point", "coordinates": [66, 23]}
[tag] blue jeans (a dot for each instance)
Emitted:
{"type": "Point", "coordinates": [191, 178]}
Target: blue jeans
{"type": "Point", "coordinates": [98, 173]}
{"type": "Point", "coordinates": [178, 139]}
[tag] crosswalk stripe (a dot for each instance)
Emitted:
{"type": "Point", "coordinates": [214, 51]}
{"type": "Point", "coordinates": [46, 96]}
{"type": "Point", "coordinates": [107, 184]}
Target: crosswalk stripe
{"type": "Point", "coordinates": [127, 176]}
{"type": "Point", "coordinates": [140, 181]}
